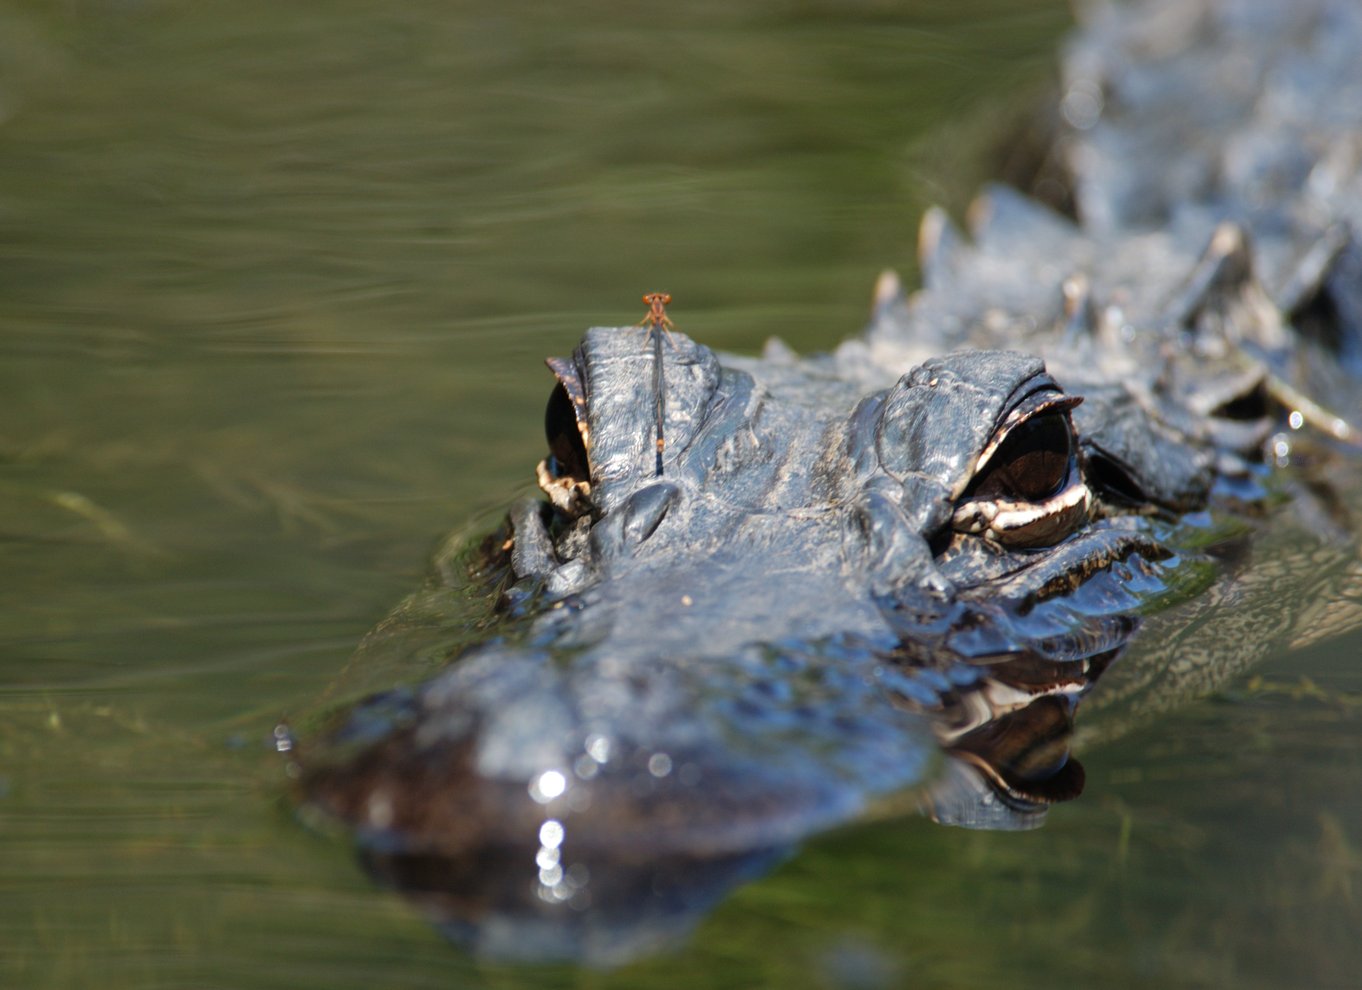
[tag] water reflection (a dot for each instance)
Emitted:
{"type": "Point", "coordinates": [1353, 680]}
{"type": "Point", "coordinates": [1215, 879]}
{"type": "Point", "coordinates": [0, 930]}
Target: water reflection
{"type": "Point", "coordinates": [630, 849]}
{"type": "Point", "coordinates": [1008, 768]}
{"type": "Point", "coordinates": [601, 911]}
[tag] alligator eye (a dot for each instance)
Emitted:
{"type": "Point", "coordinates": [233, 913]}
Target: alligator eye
{"type": "Point", "coordinates": [1027, 492]}
{"type": "Point", "coordinates": [1031, 464]}
{"type": "Point", "coordinates": [567, 452]}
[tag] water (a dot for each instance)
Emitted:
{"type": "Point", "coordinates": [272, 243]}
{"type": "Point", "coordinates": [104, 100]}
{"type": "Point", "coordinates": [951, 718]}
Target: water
{"type": "Point", "coordinates": [275, 285]}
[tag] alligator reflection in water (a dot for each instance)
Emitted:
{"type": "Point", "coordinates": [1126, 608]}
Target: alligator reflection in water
{"type": "Point", "coordinates": [568, 883]}
{"type": "Point", "coordinates": [552, 896]}
{"type": "Point", "coordinates": [856, 562]}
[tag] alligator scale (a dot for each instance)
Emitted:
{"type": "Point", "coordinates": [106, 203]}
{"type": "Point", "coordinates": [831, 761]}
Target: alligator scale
{"type": "Point", "coordinates": [762, 597]}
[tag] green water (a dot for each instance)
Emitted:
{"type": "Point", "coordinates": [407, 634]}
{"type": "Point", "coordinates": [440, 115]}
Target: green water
{"type": "Point", "coordinates": [276, 281]}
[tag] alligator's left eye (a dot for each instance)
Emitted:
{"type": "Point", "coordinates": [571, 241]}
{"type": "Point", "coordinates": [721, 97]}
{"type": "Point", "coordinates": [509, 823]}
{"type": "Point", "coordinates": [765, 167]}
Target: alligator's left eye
{"type": "Point", "coordinates": [1027, 491]}
{"type": "Point", "coordinates": [566, 449]}
{"type": "Point", "coordinates": [565, 475]}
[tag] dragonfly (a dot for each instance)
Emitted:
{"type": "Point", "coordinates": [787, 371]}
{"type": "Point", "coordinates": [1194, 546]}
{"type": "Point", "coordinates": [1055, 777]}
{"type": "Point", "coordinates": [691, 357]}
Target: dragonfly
{"type": "Point", "coordinates": [658, 324]}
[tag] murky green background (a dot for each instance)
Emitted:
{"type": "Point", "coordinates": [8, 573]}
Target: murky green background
{"type": "Point", "coordinates": [275, 285]}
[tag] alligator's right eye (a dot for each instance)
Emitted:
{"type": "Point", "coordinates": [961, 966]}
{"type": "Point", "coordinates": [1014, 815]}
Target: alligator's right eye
{"type": "Point", "coordinates": [567, 451]}
{"type": "Point", "coordinates": [1028, 491]}
{"type": "Point", "coordinates": [1032, 464]}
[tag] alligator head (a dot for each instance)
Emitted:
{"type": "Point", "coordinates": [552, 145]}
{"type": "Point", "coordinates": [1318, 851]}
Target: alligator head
{"type": "Point", "coordinates": [831, 601]}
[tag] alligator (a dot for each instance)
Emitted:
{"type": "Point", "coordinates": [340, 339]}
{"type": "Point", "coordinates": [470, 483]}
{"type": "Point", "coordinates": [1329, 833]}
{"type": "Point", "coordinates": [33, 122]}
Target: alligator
{"type": "Point", "coordinates": [761, 597]}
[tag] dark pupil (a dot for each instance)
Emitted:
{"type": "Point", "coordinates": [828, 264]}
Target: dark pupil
{"type": "Point", "coordinates": [1032, 463]}
{"type": "Point", "coordinates": [565, 440]}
